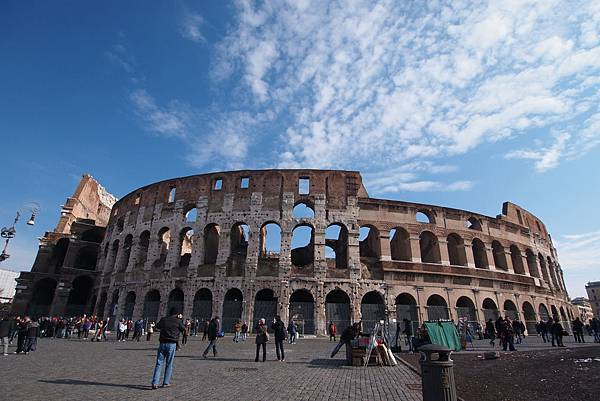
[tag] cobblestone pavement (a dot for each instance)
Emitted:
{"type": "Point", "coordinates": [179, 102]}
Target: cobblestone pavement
{"type": "Point", "coordinates": [80, 370]}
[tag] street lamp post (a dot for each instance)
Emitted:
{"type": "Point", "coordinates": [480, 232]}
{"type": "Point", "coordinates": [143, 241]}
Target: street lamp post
{"type": "Point", "coordinates": [9, 232]}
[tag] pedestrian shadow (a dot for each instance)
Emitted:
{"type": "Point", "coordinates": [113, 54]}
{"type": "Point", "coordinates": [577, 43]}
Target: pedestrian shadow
{"type": "Point", "coordinates": [324, 363]}
{"type": "Point", "coordinates": [91, 383]}
{"type": "Point", "coordinates": [137, 349]}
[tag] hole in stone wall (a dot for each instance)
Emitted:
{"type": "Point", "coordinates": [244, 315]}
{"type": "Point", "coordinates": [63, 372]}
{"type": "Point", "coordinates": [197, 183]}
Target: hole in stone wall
{"type": "Point", "coordinates": [302, 245]}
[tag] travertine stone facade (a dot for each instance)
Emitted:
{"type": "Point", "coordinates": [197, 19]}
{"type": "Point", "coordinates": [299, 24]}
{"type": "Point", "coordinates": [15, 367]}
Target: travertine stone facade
{"type": "Point", "coordinates": [199, 243]}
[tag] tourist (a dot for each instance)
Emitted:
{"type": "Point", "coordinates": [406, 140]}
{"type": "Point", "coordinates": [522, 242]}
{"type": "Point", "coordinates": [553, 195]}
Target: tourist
{"type": "Point", "coordinates": [518, 329]}
{"type": "Point", "coordinates": [237, 329]}
{"type": "Point", "coordinates": [408, 331]}
{"type": "Point", "coordinates": [331, 330]}
{"type": "Point", "coordinates": [128, 329]}
{"type": "Point", "coordinates": [121, 330]}
{"type": "Point", "coordinates": [99, 329]}
{"type": "Point", "coordinates": [543, 329]}
{"type": "Point", "coordinates": [292, 331]}
{"type": "Point", "coordinates": [490, 331]}
{"type": "Point", "coordinates": [205, 329]}
{"type": "Point", "coordinates": [506, 335]}
{"type": "Point", "coordinates": [349, 334]}
{"type": "Point", "coordinates": [86, 328]}
{"type": "Point", "coordinates": [22, 334]}
{"type": "Point", "coordinates": [184, 338]}
{"type": "Point", "coordinates": [195, 327]}
{"type": "Point", "coordinates": [212, 332]}
{"type": "Point", "coordinates": [244, 331]}
{"type": "Point", "coordinates": [150, 331]}
{"type": "Point", "coordinates": [557, 333]}
{"type": "Point", "coordinates": [33, 332]}
{"type": "Point", "coordinates": [595, 325]}
{"type": "Point", "coordinates": [4, 333]}
{"type": "Point", "coordinates": [279, 330]}
{"type": "Point", "coordinates": [397, 334]}
{"type": "Point", "coordinates": [137, 330]}
{"type": "Point", "coordinates": [578, 330]}
{"type": "Point", "coordinates": [169, 327]}
{"type": "Point", "coordinates": [14, 329]}
{"type": "Point", "coordinates": [262, 337]}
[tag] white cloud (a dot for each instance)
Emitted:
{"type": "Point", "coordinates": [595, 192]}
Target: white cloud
{"type": "Point", "coordinates": [190, 27]}
{"type": "Point", "coordinates": [172, 120]}
{"type": "Point", "coordinates": [579, 256]}
{"type": "Point", "coordinates": [545, 158]}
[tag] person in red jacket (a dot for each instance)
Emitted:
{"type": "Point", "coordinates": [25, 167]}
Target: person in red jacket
{"type": "Point", "coordinates": [332, 330]}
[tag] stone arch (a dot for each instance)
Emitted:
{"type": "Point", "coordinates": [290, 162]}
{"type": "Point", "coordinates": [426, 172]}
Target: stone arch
{"type": "Point", "coordinates": [336, 240]}
{"type": "Point", "coordinates": [465, 307]}
{"type": "Point", "coordinates": [369, 245]}
{"type": "Point", "coordinates": [337, 309]}
{"type": "Point", "coordinates": [42, 297]}
{"type": "Point", "coordinates": [239, 236]}
{"type": "Point", "coordinates": [203, 300]}
{"type": "Point", "coordinates": [499, 255]}
{"type": "Point", "coordinates": [232, 308]}
{"type": "Point", "coordinates": [425, 216]}
{"type": "Point", "coordinates": [129, 305]}
{"type": "Point", "coordinates": [265, 306]}
{"type": "Point", "coordinates": [176, 300]}
{"type": "Point", "coordinates": [303, 210]}
{"type": "Point", "coordinates": [102, 304]}
{"type": "Point", "coordinates": [479, 254]}
{"type": "Point", "coordinates": [270, 239]}
{"type": "Point", "coordinates": [456, 250]}
{"type": "Point", "coordinates": [517, 259]}
{"type": "Point", "coordinates": [542, 265]}
{"type": "Point", "coordinates": [372, 310]}
{"type": "Point", "coordinates": [406, 308]}
{"type": "Point", "coordinates": [302, 311]}
{"type": "Point", "coordinates": [473, 223]}
{"type": "Point", "coordinates": [529, 316]}
{"type": "Point", "coordinates": [114, 304]}
{"type": "Point", "coordinates": [543, 312]}
{"type": "Point", "coordinates": [164, 242]}
{"type": "Point", "coordinates": [430, 247]}
{"type": "Point", "coordinates": [114, 250]}
{"type": "Point", "coordinates": [79, 296]}
{"type": "Point", "coordinates": [211, 243]}
{"type": "Point", "coordinates": [510, 310]}
{"type": "Point", "coordinates": [186, 243]}
{"type": "Point", "coordinates": [86, 257]}
{"type": "Point", "coordinates": [554, 311]}
{"type": "Point", "coordinates": [126, 252]}
{"type": "Point", "coordinates": [400, 244]}
{"type": "Point", "coordinates": [532, 263]}
{"type": "Point", "coordinates": [151, 306]}
{"type": "Point", "coordinates": [143, 249]}
{"type": "Point", "coordinates": [190, 213]}
{"type": "Point", "coordinates": [490, 309]}
{"type": "Point", "coordinates": [59, 252]}
{"type": "Point", "coordinates": [437, 308]}
{"type": "Point", "coordinates": [303, 245]}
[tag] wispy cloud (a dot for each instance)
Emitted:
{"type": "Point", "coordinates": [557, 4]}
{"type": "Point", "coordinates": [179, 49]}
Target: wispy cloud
{"type": "Point", "coordinates": [545, 158]}
{"type": "Point", "coordinates": [579, 255]}
{"type": "Point", "coordinates": [190, 27]}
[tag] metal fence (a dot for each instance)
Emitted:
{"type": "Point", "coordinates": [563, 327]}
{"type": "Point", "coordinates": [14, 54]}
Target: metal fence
{"type": "Point", "coordinates": [303, 314]}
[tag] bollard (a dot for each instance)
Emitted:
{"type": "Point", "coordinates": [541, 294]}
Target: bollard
{"type": "Point", "coordinates": [437, 375]}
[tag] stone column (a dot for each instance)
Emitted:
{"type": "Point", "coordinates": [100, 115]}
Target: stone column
{"type": "Point", "coordinates": [320, 316]}
{"type": "Point", "coordinates": [444, 255]}
{"type": "Point", "coordinates": [490, 257]}
{"type": "Point", "coordinates": [469, 253]}
{"type": "Point", "coordinates": [133, 254]}
{"type": "Point", "coordinates": [509, 263]}
{"type": "Point", "coordinates": [385, 246]}
{"type": "Point", "coordinates": [415, 248]}
{"type": "Point", "coordinates": [61, 297]}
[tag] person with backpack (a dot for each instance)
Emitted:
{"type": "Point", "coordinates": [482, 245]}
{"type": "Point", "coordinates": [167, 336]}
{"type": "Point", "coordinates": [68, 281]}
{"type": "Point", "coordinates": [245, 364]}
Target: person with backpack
{"type": "Point", "coordinates": [262, 337]}
{"type": "Point", "coordinates": [279, 330]}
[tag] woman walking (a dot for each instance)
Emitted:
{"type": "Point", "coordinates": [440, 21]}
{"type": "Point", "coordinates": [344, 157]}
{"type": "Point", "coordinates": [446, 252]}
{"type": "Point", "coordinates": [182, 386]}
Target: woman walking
{"type": "Point", "coordinates": [261, 339]}
{"type": "Point", "coordinates": [150, 331]}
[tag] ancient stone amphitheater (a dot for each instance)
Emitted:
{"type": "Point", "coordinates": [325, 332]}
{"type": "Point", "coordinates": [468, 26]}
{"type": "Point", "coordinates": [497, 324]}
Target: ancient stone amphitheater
{"type": "Point", "coordinates": [312, 246]}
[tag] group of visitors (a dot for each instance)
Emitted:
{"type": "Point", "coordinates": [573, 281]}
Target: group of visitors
{"type": "Point", "coordinates": [505, 330]}
{"type": "Point", "coordinates": [592, 328]}
{"type": "Point", "coordinates": [551, 331]}
{"type": "Point", "coordinates": [26, 330]}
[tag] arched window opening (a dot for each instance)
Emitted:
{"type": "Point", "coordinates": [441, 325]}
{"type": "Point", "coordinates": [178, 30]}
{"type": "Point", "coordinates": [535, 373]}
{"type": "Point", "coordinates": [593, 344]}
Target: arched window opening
{"type": "Point", "coordinates": [552, 270]}
{"type": "Point", "coordinates": [499, 255]}
{"type": "Point", "coordinates": [517, 259]}
{"type": "Point", "coordinates": [465, 308]}
{"type": "Point", "coordinates": [164, 241]}
{"type": "Point", "coordinates": [302, 311]}
{"type": "Point", "coordinates": [369, 245]}
{"type": "Point", "coordinates": [129, 305]}
{"type": "Point", "coordinates": [532, 263]}
{"type": "Point", "coordinates": [479, 254]}
{"type": "Point", "coordinates": [336, 245]}
{"type": "Point", "coordinates": [430, 248]}
{"type": "Point", "coordinates": [372, 310]}
{"type": "Point", "coordinates": [456, 250]}
{"type": "Point", "coordinates": [270, 240]}
{"type": "Point", "coordinates": [337, 309]}
{"type": "Point", "coordinates": [303, 245]}
{"type": "Point", "coordinates": [191, 214]}
{"type": "Point", "coordinates": [151, 306]}
{"type": "Point", "coordinates": [93, 235]}
{"type": "Point", "coordinates": [437, 308]}
{"type": "Point", "coordinates": [424, 217]}
{"type": "Point", "coordinates": [406, 308]}
{"type": "Point", "coordinates": [202, 305]}
{"type": "Point", "coordinates": [232, 309]}
{"type": "Point", "coordinates": [114, 250]}
{"type": "Point", "coordinates": [114, 304]}
{"type": "Point", "coordinates": [303, 210]}
{"type": "Point", "coordinates": [143, 249]}
{"type": "Point", "coordinates": [554, 312]}
{"type": "Point", "coordinates": [87, 257]}
{"type": "Point", "coordinates": [186, 242]}
{"type": "Point", "coordinates": [530, 317]}
{"type": "Point", "coordinates": [240, 236]}
{"type": "Point", "coordinates": [42, 297]}
{"type": "Point", "coordinates": [400, 244]}
{"type": "Point", "coordinates": [211, 244]}
{"type": "Point", "coordinates": [265, 307]}
{"type": "Point", "coordinates": [473, 223]}
{"type": "Point", "coordinates": [542, 264]}
{"type": "Point", "coordinates": [120, 224]}
{"type": "Point", "coordinates": [126, 252]}
{"type": "Point", "coordinates": [176, 298]}
{"type": "Point", "coordinates": [510, 310]}
{"type": "Point", "coordinates": [543, 312]}
{"type": "Point", "coordinates": [490, 310]}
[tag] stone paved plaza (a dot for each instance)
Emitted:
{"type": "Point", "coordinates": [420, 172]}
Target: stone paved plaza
{"type": "Point", "coordinates": [80, 370]}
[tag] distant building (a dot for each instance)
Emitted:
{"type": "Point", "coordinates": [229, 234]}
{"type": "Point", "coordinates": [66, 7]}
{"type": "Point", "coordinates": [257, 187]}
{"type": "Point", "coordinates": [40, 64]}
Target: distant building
{"type": "Point", "coordinates": [584, 309]}
{"type": "Point", "coordinates": [593, 291]}
{"type": "Point", "coordinates": [7, 285]}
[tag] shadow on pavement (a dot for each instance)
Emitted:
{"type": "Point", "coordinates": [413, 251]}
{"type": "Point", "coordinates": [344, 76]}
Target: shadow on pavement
{"type": "Point", "coordinates": [90, 383]}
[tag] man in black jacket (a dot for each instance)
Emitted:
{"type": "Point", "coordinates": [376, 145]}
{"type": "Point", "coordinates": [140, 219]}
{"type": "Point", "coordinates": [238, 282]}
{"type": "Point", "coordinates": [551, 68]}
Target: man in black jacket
{"type": "Point", "coordinates": [280, 334]}
{"type": "Point", "coordinates": [214, 327]}
{"type": "Point", "coordinates": [170, 327]}
{"type": "Point", "coordinates": [4, 332]}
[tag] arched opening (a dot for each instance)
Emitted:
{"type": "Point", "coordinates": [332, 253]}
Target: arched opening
{"type": "Point", "coordinates": [79, 296]}
{"type": "Point", "coordinates": [186, 242]}
{"type": "Point", "coordinates": [369, 245]}
{"type": "Point", "coordinates": [543, 268]}
{"type": "Point", "coordinates": [479, 254]}
{"type": "Point", "coordinates": [59, 252]}
{"type": "Point", "coordinates": [406, 308]}
{"type": "Point", "coordinates": [102, 305]}
{"type": "Point", "coordinates": [232, 309]}
{"type": "Point", "coordinates": [465, 308]}
{"type": "Point", "coordinates": [400, 244]}
{"type": "Point", "coordinates": [164, 241]}
{"type": "Point", "coordinates": [517, 259]}
{"type": "Point", "coordinates": [302, 210]}
{"type": "Point", "coordinates": [129, 305]}
{"type": "Point", "coordinates": [532, 263]}
{"type": "Point", "coordinates": [456, 250]}
{"type": "Point", "coordinates": [239, 236]}
{"type": "Point", "coordinates": [303, 245]}
{"type": "Point", "coordinates": [126, 253]}
{"type": "Point", "coordinates": [114, 305]}
{"type": "Point", "coordinates": [211, 244]}
{"type": "Point", "coordinates": [564, 319]}
{"type": "Point", "coordinates": [499, 255]}
{"type": "Point", "coordinates": [430, 248]}
{"type": "Point", "coordinates": [552, 269]}
{"type": "Point", "coordinates": [176, 298]}
{"type": "Point", "coordinates": [337, 309]}
{"type": "Point", "coordinates": [151, 306]}
{"type": "Point", "coordinates": [510, 310]}
{"type": "Point", "coordinates": [490, 310]}
{"type": "Point", "coordinates": [543, 312]}
{"type": "Point", "coordinates": [437, 308]}
{"type": "Point", "coordinates": [120, 224]}
{"type": "Point", "coordinates": [112, 258]}
{"type": "Point", "coordinates": [302, 311]}
{"type": "Point", "coordinates": [93, 235]}
{"type": "Point", "coordinates": [191, 214]}
{"type": "Point", "coordinates": [529, 316]}
{"type": "Point", "coordinates": [372, 310]}
{"type": "Point", "coordinates": [555, 314]}
{"type": "Point", "coordinates": [42, 297]}
{"type": "Point", "coordinates": [86, 257]}
{"type": "Point", "coordinates": [270, 240]}
{"type": "Point", "coordinates": [202, 304]}
{"type": "Point", "coordinates": [425, 216]}
{"type": "Point", "coordinates": [336, 245]}
{"type": "Point", "coordinates": [143, 250]}
{"type": "Point", "coordinates": [265, 306]}
{"type": "Point", "coordinates": [473, 223]}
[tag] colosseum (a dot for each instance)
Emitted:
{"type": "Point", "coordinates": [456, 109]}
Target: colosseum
{"type": "Point", "coordinates": [312, 246]}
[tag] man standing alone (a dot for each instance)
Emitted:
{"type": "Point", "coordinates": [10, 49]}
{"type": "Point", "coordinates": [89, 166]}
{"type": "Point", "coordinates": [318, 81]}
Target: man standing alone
{"type": "Point", "coordinates": [170, 327]}
{"type": "Point", "coordinates": [213, 330]}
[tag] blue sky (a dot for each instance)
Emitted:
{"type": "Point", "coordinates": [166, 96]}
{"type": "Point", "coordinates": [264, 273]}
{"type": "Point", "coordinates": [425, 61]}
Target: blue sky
{"type": "Point", "coordinates": [462, 104]}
